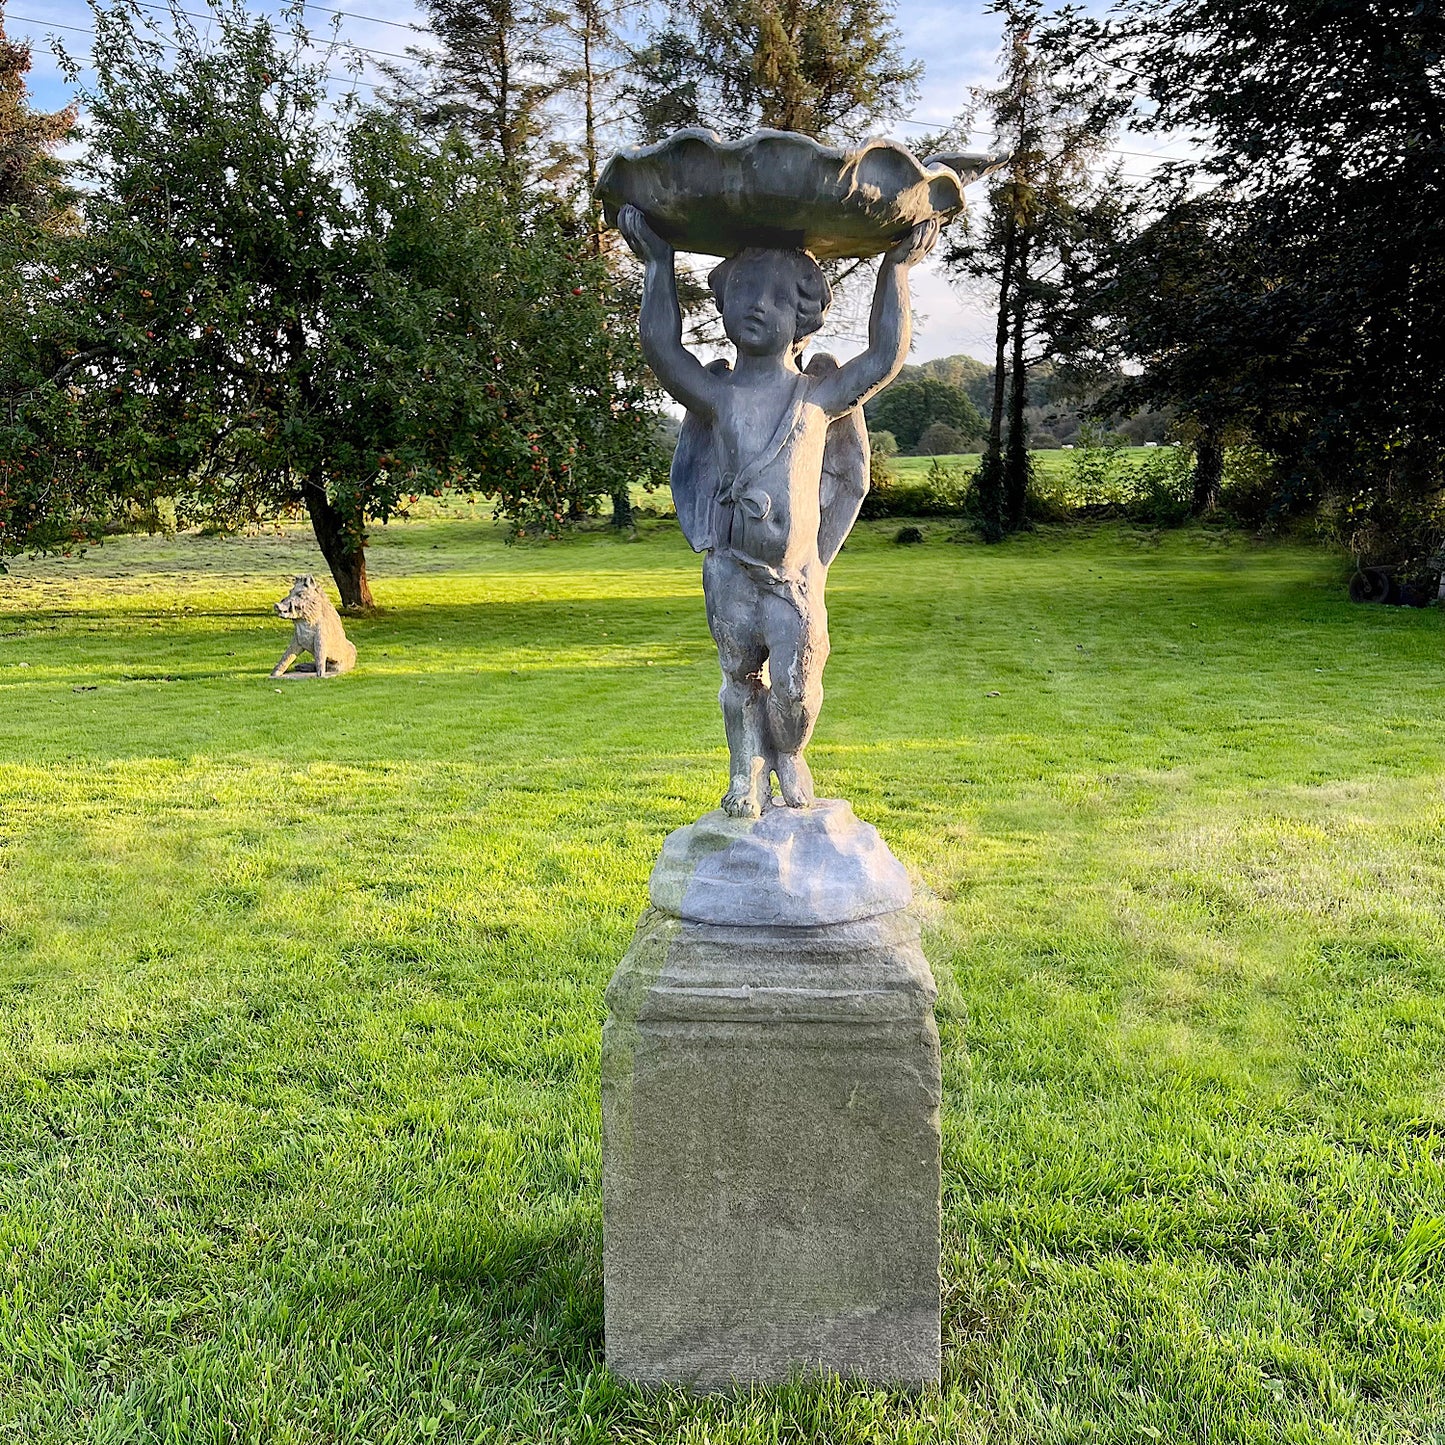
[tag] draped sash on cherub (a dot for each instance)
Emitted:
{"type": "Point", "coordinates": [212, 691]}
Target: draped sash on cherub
{"type": "Point", "coordinates": [701, 486]}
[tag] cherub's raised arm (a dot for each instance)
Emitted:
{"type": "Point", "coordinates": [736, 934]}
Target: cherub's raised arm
{"type": "Point", "coordinates": [660, 322]}
{"type": "Point", "coordinates": [890, 329]}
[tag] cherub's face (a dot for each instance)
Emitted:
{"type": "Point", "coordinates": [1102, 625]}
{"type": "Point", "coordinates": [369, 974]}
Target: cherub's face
{"type": "Point", "coordinates": [760, 307]}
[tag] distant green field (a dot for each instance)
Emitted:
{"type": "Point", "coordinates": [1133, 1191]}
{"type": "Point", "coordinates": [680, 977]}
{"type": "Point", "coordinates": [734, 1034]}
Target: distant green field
{"type": "Point", "coordinates": [1055, 461]}
{"type": "Point", "coordinates": [301, 984]}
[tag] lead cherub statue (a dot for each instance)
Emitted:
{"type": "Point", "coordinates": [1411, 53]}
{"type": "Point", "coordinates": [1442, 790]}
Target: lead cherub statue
{"type": "Point", "coordinates": [770, 471]}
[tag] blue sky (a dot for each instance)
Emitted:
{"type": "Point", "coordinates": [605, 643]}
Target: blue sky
{"type": "Point", "coordinates": [957, 43]}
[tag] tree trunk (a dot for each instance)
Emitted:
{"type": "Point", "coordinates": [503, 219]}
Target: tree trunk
{"type": "Point", "coordinates": [990, 469]}
{"type": "Point", "coordinates": [1016, 456]}
{"type": "Point", "coordinates": [1001, 337]}
{"type": "Point", "coordinates": [622, 517]}
{"type": "Point", "coordinates": [621, 499]}
{"type": "Point", "coordinates": [343, 546]}
{"type": "Point", "coordinates": [589, 117]}
{"type": "Point", "coordinates": [1208, 470]}
{"type": "Point", "coordinates": [506, 139]}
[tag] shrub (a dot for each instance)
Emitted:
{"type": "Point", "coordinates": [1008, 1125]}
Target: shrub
{"type": "Point", "coordinates": [1163, 487]}
{"type": "Point", "coordinates": [881, 476]}
{"type": "Point", "coordinates": [943, 491]}
{"type": "Point", "coordinates": [1097, 470]}
{"type": "Point", "coordinates": [883, 443]}
{"type": "Point", "coordinates": [1250, 488]}
{"type": "Point", "coordinates": [947, 486]}
{"type": "Point", "coordinates": [908, 536]}
{"type": "Point", "coordinates": [941, 440]}
{"type": "Point", "coordinates": [1402, 537]}
{"type": "Point", "coordinates": [1100, 480]}
{"type": "Point", "coordinates": [1050, 497]}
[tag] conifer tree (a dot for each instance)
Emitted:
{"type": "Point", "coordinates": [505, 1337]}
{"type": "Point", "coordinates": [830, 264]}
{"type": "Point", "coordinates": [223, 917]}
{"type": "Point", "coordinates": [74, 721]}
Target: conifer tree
{"type": "Point", "coordinates": [590, 50]}
{"type": "Point", "coordinates": [514, 76]}
{"type": "Point", "coordinates": [491, 80]}
{"type": "Point", "coordinates": [828, 68]}
{"type": "Point", "coordinates": [40, 493]}
{"type": "Point", "coordinates": [32, 177]}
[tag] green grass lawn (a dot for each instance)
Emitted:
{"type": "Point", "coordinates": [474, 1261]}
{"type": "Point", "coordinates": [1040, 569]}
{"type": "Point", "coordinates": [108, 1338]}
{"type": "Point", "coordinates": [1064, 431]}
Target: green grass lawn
{"type": "Point", "coordinates": [301, 984]}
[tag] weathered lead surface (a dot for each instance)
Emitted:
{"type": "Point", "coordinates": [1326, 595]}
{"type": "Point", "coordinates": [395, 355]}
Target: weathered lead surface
{"type": "Point", "coordinates": [770, 1069]}
{"type": "Point", "coordinates": [781, 188]}
{"type": "Point", "coordinates": [792, 868]}
{"type": "Point", "coordinates": [771, 465]}
{"type": "Point", "coordinates": [771, 1152]}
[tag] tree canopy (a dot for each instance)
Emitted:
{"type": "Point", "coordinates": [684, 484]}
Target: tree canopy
{"type": "Point", "coordinates": [40, 492]}
{"type": "Point", "coordinates": [1053, 122]}
{"type": "Point", "coordinates": [908, 408]}
{"type": "Point", "coordinates": [491, 78]}
{"type": "Point", "coordinates": [253, 301]}
{"type": "Point", "coordinates": [268, 308]}
{"type": "Point", "coordinates": [33, 192]}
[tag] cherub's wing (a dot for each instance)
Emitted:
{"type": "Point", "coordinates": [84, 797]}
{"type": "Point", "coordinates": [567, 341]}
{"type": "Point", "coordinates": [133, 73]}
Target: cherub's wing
{"type": "Point", "coordinates": [845, 471]}
{"type": "Point", "coordinates": [694, 476]}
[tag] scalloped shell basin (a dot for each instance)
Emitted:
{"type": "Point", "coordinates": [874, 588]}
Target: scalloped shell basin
{"type": "Point", "coordinates": [778, 188]}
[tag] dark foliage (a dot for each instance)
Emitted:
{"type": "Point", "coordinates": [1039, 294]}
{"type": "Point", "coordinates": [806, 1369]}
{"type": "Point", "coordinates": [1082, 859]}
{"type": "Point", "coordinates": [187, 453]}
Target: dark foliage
{"type": "Point", "coordinates": [33, 192]}
{"type": "Point", "coordinates": [1052, 120]}
{"type": "Point", "coordinates": [943, 491]}
{"type": "Point", "coordinates": [1290, 285]}
{"type": "Point", "coordinates": [39, 493]}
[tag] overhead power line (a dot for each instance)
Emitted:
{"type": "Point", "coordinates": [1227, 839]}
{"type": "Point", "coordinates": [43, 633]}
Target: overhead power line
{"type": "Point", "coordinates": [372, 19]}
{"type": "Point", "coordinates": [408, 25]}
{"type": "Point", "coordinates": [201, 15]}
{"type": "Point", "coordinates": [169, 45]}
{"type": "Point", "coordinates": [349, 44]}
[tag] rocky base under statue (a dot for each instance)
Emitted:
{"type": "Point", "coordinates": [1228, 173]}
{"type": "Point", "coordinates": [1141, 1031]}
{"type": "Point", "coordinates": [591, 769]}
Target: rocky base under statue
{"type": "Point", "coordinates": [770, 1098]}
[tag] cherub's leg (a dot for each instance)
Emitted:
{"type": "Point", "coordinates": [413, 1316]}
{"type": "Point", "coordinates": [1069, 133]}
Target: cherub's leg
{"type": "Point", "coordinates": [732, 616]}
{"type": "Point", "coordinates": [797, 632]}
{"type": "Point", "coordinates": [287, 658]}
{"type": "Point", "coordinates": [743, 699]}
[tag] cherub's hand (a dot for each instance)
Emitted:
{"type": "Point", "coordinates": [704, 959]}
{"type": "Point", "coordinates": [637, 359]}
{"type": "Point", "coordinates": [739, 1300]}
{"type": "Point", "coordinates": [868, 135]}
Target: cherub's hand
{"type": "Point", "coordinates": [915, 245]}
{"type": "Point", "coordinates": [646, 244]}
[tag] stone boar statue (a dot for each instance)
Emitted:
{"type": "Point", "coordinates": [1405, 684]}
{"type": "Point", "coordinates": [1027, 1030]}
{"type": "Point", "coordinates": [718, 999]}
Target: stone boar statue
{"type": "Point", "coordinates": [318, 631]}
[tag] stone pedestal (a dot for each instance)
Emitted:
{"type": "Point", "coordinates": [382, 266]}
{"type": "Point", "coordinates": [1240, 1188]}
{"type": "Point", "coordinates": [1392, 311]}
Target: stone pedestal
{"type": "Point", "coordinates": [770, 1093]}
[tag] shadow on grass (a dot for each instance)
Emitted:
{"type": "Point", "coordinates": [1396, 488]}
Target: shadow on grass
{"type": "Point", "coordinates": [515, 1308]}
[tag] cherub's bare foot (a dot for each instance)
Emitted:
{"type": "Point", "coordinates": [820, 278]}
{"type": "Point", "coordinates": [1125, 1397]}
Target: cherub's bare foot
{"type": "Point", "coordinates": [794, 780]}
{"type": "Point", "coordinates": [744, 799]}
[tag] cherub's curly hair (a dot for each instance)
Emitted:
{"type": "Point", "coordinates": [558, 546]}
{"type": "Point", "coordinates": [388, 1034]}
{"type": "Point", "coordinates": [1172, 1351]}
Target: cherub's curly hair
{"type": "Point", "coordinates": [815, 295]}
